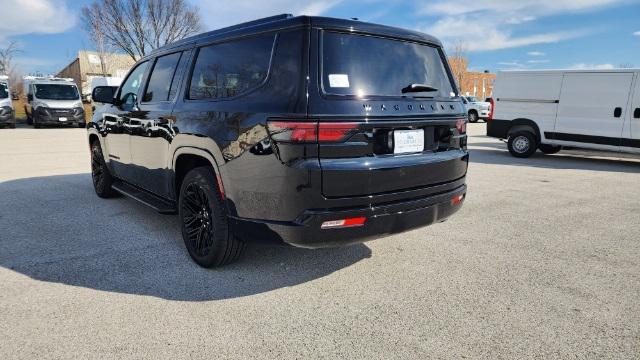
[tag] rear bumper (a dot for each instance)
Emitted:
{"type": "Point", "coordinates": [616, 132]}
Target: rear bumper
{"type": "Point", "coordinates": [381, 220]}
{"type": "Point", "coordinates": [498, 128]}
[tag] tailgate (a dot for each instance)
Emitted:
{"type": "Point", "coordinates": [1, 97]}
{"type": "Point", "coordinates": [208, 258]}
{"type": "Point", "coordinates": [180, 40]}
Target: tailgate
{"type": "Point", "coordinates": [367, 163]}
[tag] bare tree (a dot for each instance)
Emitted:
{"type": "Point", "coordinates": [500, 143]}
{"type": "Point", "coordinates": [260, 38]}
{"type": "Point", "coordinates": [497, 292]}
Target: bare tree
{"type": "Point", "coordinates": [6, 57]}
{"type": "Point", "coordinates": [139, 26]}
{"type": "Point", "coordinates": [7, 67]}
{"type": "Point", "coordinates": [458, 61]}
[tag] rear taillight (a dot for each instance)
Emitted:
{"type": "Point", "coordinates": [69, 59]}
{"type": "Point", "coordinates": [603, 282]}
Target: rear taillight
{"type": "Point", "coordinates": [310, 132]}
{"type": "Point", "coordinates": [291, 131]}
{"type": "Point", "coordinates": [335, 132]}
{"type": "Point", "coordinates": [491, 109]}
{"type": "Point", "coordinates": [461, 126]}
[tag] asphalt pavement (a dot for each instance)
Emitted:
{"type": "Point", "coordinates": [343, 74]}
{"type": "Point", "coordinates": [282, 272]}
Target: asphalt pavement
{"type": "Point", "coordinates": [543, 261]}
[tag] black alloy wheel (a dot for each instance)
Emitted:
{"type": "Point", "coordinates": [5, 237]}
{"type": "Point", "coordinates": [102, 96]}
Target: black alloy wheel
{"type": "Point", "coordinates": [205, 226]}
{"type": "Point", "coordinates": [102, 179]}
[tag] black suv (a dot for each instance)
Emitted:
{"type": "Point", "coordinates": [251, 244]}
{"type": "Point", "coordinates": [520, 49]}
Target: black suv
{"type": "Point", "coordinates": [310, 131]}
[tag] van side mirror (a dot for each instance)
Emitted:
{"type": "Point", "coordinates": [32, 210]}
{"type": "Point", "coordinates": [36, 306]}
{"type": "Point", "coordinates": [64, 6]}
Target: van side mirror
{"type": "Point", "coordinates": [29, 97]}
{"type": "Point", "coordinates": [104, 94]}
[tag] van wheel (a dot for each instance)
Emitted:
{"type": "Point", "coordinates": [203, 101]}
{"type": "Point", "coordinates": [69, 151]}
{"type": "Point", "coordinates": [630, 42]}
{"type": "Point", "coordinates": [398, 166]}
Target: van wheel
{"type": "Point", "coordinates": [473, 116]}
{"type": "Point", "coordinates": [549, 149]}
{"type": "Point", "coordinates": [522, 144]}
{"type": "Point", "coordinates": [205, 226]}
{"type": "Point", "coordinates": [102, 179]}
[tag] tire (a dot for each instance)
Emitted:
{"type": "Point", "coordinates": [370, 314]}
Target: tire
{"type": "Point", "coordinates": [34, 122]}
{"type": "Point", "coordinates": [549, 149]}
{"type": "Point", "coordinates": [473, 116]}
{"type": "Point", "coordinates": [204, 222]}
{"type": "Point", "coordinates": [12, 126]}
{"type": "Point", "coordinates": [29, 117]}
{"type": "Point", "coordinates": [81, 125]}
{"type": "Point", "coordinates": [100, 175]}
{"type": "Point", "coordinates": [522, 144]}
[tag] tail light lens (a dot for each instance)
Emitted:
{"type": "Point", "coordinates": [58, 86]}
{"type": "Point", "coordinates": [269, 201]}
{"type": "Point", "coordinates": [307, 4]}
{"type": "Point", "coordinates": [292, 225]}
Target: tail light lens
{"type": "Point", "coordinates": [310, 132]}
{"type": "Point", "coordinates": [290, 131]}
{"type": "Point", "coordinates": [461, 126]}
{"type": "Point", "coordinates": [335, 132]}
{"type": "Point", "coordinates": [491, 109]}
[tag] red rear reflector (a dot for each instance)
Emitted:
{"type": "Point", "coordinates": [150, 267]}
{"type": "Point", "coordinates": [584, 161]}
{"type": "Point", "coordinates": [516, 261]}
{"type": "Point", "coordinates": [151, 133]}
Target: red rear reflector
{"type": "Point", "coordinates": [333, 132]}
{"type": "Point", "coordinates": [343, 223]}
{"type": "Point", "coordinates": [457, 199]}
{"type": "Point", "coordinates": [220, 187]}
{"type": "Point", "coordinates": [461, 126]}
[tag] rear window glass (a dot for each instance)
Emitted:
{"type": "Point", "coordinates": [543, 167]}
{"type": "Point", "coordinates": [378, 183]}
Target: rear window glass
{"type": "Point", "coordinates": [229, 69]}
{"type": "Point", "coordinates": [366, 65]}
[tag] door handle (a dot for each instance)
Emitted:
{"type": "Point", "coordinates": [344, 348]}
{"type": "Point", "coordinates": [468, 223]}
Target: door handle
{"type": "Point", "coordinates": [617, 112]}
{"type": "Point", "coordinates": [636, 113]}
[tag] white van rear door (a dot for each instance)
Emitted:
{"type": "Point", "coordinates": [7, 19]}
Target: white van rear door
{"type": "Point", "coordinates": [593, 105]}
{"type": "Point", "coordinates": [634, 117]}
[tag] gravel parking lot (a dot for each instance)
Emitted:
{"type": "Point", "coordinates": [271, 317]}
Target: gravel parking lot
{"type": "Point", "coordinates": [543, 261]}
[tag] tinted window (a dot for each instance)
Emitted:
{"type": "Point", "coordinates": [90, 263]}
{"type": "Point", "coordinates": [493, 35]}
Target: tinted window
{"type": "Point", "coordinates": [4, 92]}
{"type": "Point", "coordinates": [161, 78]}
{"type": "Point", "coordinates": [56, 92]}
{"type": "Point", "coordinates": [133, 82]}
{"type": "Point", "coordinates": [229, 69]}
{"type": "Point", "coordinates": [366, 65]}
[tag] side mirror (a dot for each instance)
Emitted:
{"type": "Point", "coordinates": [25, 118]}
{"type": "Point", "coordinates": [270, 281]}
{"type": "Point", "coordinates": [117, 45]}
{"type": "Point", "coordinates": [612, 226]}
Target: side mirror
{"type": "Point", "coordinates": [29, 97]}
{"type": "Point", "coordinates": [104, 94]}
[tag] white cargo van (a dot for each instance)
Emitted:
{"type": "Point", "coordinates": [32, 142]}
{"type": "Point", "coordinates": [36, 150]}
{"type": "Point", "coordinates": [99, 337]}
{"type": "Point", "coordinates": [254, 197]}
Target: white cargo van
{"type": "Point", "coordinates": [7, 114]}
{"type": "Point", "coordinates": [549, 109]}
{"type": "Point", "coordinates": [53, 101]}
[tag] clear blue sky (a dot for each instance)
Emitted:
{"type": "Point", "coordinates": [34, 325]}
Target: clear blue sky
{"type": "Point", "coordinates": [498, 34]}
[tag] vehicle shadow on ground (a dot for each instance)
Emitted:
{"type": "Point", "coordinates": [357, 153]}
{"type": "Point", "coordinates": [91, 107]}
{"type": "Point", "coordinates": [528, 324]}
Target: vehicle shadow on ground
{"type": "Point", "coordinates": [497, 154]}
{"type": "Point", "coordinates": [55, 229]}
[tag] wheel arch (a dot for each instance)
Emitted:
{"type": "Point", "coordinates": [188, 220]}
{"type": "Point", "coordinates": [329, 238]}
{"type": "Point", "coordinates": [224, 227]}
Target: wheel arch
{"type": "Point", "coordinates": [186, 158]}
{"type": "Point", "coordinates": [524, 124]}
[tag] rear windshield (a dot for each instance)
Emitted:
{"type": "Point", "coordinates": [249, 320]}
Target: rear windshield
{"type": "Point", "coordinates": [4, 92]}
{"type": "Point", "coordinates": [56, 92]}
{"type": "Point", "coordinates": [366, 65]}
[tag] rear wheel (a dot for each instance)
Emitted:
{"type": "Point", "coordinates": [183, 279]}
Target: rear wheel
{"type": "Point", "coordinates": [522, 144]}
{"type": "Point", "coordinates": [549, 149]}
{"type": "Point", "coordinates": [102, 179]}
{"type": "Point", "coordinates": [205, 227]}
{"type": "Point", "coordinates": [473, 116]}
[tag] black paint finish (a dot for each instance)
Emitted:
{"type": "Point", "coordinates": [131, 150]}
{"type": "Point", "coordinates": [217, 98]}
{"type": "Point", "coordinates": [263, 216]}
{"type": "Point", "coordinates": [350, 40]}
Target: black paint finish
{"type": "Point", "coordinates": [280, 190]}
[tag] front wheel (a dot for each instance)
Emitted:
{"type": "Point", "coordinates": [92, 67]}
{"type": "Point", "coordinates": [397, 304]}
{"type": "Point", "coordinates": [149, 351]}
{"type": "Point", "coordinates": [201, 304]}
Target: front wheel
{"type": "Point", "coordinates": [549, 149]}
{"type": "Point", "coordinates": [102, 179]}
{"type": "Point", "coordinates": [522, 144]}
{"type": "Point", "coordinates": [205, 227]}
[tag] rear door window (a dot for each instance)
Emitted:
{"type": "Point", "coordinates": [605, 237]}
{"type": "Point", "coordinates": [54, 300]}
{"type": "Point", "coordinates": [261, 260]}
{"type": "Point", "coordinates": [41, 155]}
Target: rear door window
{"type": "Point", "coordinates": [232, 68]}
{"type": "Point", "coordinates": [363, 65]}
{"type": "Point", "coordinates": [161, 78]}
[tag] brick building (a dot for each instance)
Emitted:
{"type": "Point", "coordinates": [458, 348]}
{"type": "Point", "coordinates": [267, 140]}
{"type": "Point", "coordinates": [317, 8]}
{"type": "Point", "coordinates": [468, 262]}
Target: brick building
{"type": "Point", "coordinates": [472, 83]}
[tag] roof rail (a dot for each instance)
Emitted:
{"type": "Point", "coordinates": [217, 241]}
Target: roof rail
{"type": "Point", "coordinates": [247, 24]}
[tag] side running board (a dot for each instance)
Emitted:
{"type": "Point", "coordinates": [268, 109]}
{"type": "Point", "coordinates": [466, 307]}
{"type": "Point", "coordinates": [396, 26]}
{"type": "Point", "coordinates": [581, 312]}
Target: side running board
{"type": "Point", "coordinates": [155, 202]}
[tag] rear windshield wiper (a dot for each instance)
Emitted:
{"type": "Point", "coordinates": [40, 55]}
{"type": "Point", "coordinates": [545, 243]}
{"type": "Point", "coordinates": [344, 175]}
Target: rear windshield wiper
{"type": "Point", "coordinates": [419, 88]}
